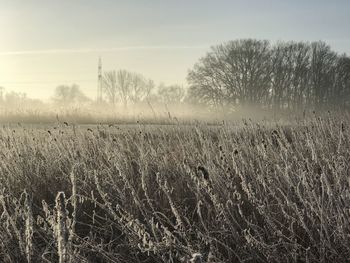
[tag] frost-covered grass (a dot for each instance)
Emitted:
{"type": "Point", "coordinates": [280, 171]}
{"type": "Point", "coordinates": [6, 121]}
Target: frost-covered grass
{"type": "Point", "coordinates": [247, 192]}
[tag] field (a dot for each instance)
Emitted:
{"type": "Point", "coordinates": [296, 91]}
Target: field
{"type": "Point", "coordinates": [242, 191]}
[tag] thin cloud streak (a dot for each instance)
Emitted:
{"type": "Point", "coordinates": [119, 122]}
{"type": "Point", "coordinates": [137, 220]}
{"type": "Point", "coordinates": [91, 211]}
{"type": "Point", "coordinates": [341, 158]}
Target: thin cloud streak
{"type": "Point", "coordinates": [97, 50]}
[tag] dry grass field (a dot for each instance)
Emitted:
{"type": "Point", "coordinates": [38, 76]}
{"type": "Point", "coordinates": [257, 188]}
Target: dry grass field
{"type": "Point", "coordinates": [235, 192]}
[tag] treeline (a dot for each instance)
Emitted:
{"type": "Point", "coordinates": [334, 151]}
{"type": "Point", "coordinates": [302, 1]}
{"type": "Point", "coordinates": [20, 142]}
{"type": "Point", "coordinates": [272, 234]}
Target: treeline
{"type": "Point", "coordinates": [12, 99]}
{"type": "Point", "coordinates": [240, 73]}
{"type": "Point", "coordinates": [122, 87]}
{"type": "Point", "coordinates": [128, 88]}
{"type": "Point", "coordinates": [286, 75]}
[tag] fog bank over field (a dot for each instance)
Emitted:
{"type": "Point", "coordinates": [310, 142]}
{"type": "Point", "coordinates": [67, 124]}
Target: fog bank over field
{"type": "Point", "coordinates": [48, 114]}
{"type": "Point", "coordinates": [245, 78]}
{"type": "Point", "coordinates": [142, 113]}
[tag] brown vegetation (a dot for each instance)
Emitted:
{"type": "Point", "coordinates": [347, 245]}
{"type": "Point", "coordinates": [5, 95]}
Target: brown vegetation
{"type": "Point", "coordinates": [253, 192]}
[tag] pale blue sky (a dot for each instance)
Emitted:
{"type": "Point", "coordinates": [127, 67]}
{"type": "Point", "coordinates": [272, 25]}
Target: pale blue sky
{"type": "Point", "coordinates": [47, 43]}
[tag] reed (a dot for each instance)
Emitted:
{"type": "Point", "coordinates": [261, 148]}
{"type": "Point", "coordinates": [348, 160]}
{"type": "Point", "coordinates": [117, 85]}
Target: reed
{"type": "Point", "coordinates": [254, 192]}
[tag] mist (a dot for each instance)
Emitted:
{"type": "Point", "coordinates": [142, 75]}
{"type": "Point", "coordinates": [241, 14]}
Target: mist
{"type": "Point", "coordinates": [174, 131]}
{"type": "Point", "coordinates": [244, 78]}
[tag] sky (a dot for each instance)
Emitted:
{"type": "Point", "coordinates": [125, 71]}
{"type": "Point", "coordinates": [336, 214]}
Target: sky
{"type": "Point", "coordinates": [46, 43]}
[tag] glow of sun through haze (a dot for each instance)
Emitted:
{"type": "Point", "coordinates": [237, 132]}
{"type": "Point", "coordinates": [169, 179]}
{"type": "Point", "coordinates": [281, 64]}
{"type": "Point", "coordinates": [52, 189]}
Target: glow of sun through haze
{"type": "Point", "coordinates": [48, 43]}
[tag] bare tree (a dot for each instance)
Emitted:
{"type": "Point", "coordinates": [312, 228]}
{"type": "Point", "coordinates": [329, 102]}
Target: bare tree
{"type": "Point", "coordinates": [341, 93]}
{"type": "Point", "coordinates": [290, 67]}
{"type": "Point", "coordinates": [124, 86]}
{"type": "Point", "coordinates": [236, 71]}
{"type": "Point", "coordinates": [140, 88]}
{"type": "Point", "coordinates": [287, 75]}
{"type": "Point", "coordinates": [172, 94]}
{"type": "Point", "coordinates": [322, 72]}
{"type": "Point", "coordinates": [299, 75]}
{"type": "Point", "coordinates": [110, 86]}
{"type": "Point", "coordinates": [65, 95]}
{"type": "Point", "coordinates": [2, 91]}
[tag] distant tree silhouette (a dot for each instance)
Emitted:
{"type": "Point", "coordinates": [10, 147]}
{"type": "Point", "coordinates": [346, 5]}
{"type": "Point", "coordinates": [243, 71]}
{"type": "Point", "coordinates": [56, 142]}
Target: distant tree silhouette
{"type": "Point", "coordinates": [140, 88]}
{"type": "Point", "coordinates": [341, 92]}
{"type": "Point", "coordinates": [172, 94]}
{"type": "Point", "coordinates": [65, 95]}
{"type": "Point", "coordinates": [2, 91]}
{"type": "Point", "coordinates": [110, 86]}
{"type": "Point", "coordinates": [287, 75]}
{"type": "Point", "coordinates": [17, 100]}
{"type": "Point", "coordinates": [238, 71]}
{"type": "Point", "coordinates": [124, 86]}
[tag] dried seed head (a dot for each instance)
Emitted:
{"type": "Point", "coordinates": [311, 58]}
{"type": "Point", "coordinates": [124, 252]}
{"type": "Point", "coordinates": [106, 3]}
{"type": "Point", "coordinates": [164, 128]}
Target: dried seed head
{"type": "Point", "coordinates": [196, 258]}
{"type": "Point", "coordinates": [204, 172]}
